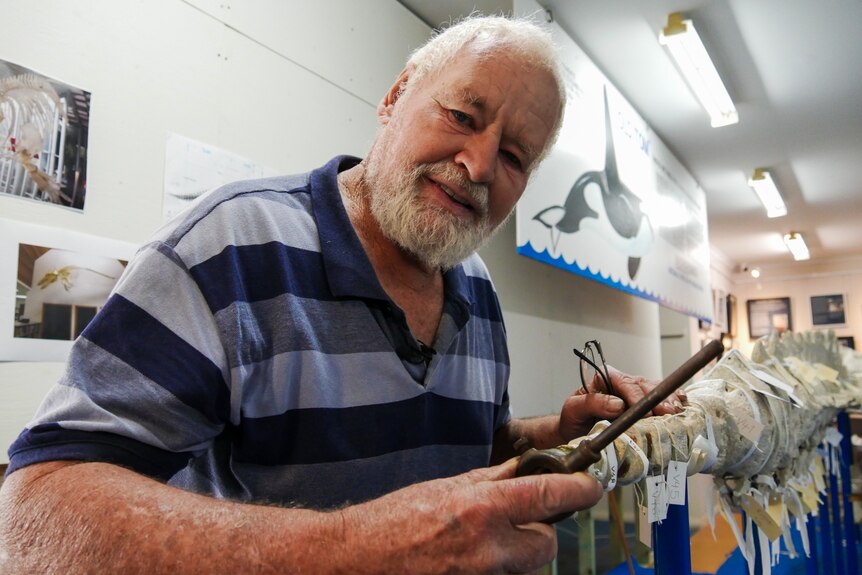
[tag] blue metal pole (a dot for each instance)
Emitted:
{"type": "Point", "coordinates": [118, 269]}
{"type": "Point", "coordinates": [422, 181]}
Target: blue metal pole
{"type": "Point", "coordinates": [672, 542]}
{"type": "Point", "coordinates": [825, 537]}
{"type": "Point", "coordinates": [758, 558]}
{"type": "Point", "coordinates": [846, 490]}
{"type": "Point", "coordinates": [811, 566]}
{"type": "Point", "coordinates": [838, 540]}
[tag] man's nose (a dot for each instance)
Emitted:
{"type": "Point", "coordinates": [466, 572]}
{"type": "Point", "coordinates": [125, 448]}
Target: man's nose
{"type": "Point", "coordinates": [479, 156]}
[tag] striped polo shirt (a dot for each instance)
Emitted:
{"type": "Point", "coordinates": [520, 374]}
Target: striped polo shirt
{"type": "Point", "coordinates": [249, 352]}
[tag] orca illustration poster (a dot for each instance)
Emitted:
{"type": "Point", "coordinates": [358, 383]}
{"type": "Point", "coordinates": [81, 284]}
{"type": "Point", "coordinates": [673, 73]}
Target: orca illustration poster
{"type": "Point", "coordinates": [611, 202]}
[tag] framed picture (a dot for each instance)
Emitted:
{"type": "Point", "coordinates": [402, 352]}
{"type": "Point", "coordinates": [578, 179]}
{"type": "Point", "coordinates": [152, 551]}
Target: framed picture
{"type": "Point", "coordinates": [44, 134]}
{"type": "Point", "coordinates": [827, 310]}
{"type": "Point", "coordinates": [768, 315]}
{"type": "Point", "coordinates": [847, 340]}
{"type": "Point", "coordinates": [731, 315]}
{"type": "Point", "coordinates": [719, 310]}
{"type": "Point", "coordinates": [52, 283]}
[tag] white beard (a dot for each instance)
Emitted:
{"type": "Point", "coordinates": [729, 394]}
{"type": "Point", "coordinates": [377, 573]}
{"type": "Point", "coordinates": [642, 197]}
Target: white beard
{"type": "Point", "coordinates": [435, 236]}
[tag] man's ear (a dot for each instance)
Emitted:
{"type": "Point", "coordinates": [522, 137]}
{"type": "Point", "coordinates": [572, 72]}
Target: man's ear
{"type": "Point", "coordinates": [387, 104]}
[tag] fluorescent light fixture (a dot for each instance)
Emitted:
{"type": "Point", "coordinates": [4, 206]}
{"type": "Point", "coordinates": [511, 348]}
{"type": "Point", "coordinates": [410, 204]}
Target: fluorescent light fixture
{"type": "Point", "coordinates": [763, 185]}
{"type": "Point", "coordinates": [684, 44]}
{"type": "Point", "coordinates": [796, 244]}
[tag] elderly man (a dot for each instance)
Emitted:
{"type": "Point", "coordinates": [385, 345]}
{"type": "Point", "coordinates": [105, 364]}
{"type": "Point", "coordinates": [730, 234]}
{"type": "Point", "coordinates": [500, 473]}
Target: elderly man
{"type": "Point", "coordinates": [308, 373]}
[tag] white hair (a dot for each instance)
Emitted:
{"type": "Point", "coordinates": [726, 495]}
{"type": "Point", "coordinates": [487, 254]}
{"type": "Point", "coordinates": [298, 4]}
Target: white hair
{"type": "Point", "coordinates": [519, 37]}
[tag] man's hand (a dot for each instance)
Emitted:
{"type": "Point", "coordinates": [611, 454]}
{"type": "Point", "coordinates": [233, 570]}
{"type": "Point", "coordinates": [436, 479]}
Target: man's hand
{"type": "Point", "coordinates": [485, 521]}
{"type": "Point", "coordinates": [581, 409]}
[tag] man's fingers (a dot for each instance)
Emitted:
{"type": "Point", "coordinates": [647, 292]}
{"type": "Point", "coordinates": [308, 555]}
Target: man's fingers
{"type": "Point", "coordinates": [533, 546]}
{"type": "Point", "coordinates": [581, 410]}
{"type": "Point", "coordinates": [505, 470]}
{"type": "Point", "coordinates": [633, 388]}
{"type": "Point", "coordinates": [539, 497]}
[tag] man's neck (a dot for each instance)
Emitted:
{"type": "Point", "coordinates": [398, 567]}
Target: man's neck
{"type": "Point", "coordinates": [413, 286]}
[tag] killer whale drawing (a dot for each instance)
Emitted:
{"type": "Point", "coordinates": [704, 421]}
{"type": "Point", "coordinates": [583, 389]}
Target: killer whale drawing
{"type": "Point", "coordinates": [615, 212]}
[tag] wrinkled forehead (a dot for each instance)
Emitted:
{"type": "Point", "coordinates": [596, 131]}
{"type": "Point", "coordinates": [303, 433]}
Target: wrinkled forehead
{"type": "Point", "coordinates": [509, 87]}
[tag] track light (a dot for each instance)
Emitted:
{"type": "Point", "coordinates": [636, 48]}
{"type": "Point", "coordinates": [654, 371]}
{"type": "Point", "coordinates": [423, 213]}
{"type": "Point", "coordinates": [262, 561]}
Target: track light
{"type": "Point", "coordinates": [796, 244]}
{"type": "Point", "coordinates": [687, 49]}
{"type": "Point", "coordinates": [754, 271]}
{"type": "Point", "coordinates": [763, 185]}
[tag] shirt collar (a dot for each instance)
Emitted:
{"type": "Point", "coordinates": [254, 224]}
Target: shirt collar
{"type": "Point", "coordinates": [348, 269]}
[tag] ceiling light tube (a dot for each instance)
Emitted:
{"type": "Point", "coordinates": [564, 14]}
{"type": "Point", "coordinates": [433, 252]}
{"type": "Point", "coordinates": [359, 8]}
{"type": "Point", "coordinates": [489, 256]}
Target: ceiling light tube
{"type": "Point", "coordinates": [796, 244]}
{"type": "Point", "coordinates": [763, 185]}
{"type": "Point", "coordinates": [687, 49]}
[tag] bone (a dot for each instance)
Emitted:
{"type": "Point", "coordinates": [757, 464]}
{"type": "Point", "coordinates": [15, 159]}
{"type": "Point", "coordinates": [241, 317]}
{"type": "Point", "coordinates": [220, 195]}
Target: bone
{"type": "Point", "coordinates": [754, 425]}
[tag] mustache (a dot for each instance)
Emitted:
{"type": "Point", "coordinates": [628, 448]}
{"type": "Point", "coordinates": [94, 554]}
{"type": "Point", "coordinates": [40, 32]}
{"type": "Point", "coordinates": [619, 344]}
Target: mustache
{"type": "Point", "coordinates": [451, 173]}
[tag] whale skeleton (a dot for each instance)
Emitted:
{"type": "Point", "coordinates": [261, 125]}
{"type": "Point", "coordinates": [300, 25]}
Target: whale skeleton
{"type": "Point", "coordinates": [756, 425]}
{"type": "Point", "coordinates": [28, 106]}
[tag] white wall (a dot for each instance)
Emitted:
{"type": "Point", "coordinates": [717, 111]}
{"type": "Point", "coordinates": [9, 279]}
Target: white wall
{"type": "Point", "coordinates": [799, 281]}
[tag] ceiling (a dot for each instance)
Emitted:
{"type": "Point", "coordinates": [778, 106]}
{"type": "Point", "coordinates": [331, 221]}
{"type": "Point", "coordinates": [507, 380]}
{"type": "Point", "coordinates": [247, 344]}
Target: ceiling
{"type": "Point", "coordinates": [792, 68]}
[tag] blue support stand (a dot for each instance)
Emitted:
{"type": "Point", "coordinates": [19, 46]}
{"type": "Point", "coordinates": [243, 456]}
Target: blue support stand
{"type": "Point", "coordinates": [824, 537]}
{"type": "Point", "coordinates": [811, 562]}
{"type": "Point", "coordinates": [671, 542]}
{"type": "Point", "coordinates": [850, 540]}
{"type": "Point", "coordinates": [839, 542]}
{"type": "Point", "coordinates": [758, 557]}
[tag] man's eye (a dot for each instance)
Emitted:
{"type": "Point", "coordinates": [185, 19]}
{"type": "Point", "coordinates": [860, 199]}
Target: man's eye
{"type": "Point", "coordinates": [511, 158]}
{"type": "Point", "coordinates": [461, 117]}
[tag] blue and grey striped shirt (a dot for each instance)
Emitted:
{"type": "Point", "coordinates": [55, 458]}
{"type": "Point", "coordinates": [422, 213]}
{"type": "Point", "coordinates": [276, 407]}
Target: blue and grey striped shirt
{"type": "Point", "coordinates": [250, 352]}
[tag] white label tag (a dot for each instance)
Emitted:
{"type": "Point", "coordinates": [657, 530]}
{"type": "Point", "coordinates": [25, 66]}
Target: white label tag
{"type": "Point", "coordinates": [663, 500]}
{"type": "Point", "coordinates": [611, 455]}
{"type": "Point", "coordinates": [770, 379]}
{"type": "Point", "coordinates": [644, 528]}
{"type": "Point", "coordinates": [676, 482]}
{"type": "Point", "coordinates": [833, 437]}
{"type": "Point", "coordinates": [826, 373]}
{"type": "Point", "coordinates": [748, 427]}
{"type": "Point", "coordinates": [654, 500]}
{"type": "Point", "coordinates": [767, 377]}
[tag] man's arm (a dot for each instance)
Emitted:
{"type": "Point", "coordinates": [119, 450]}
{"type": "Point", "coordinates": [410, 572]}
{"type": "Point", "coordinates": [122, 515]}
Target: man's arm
{"type": "Point", "coordinates": [65, 517]}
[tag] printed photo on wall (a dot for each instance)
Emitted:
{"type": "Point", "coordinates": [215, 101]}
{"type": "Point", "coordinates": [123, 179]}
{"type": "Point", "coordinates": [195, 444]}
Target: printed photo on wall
{"type": "Point", "coordinates": [194, 168]}
{"type": "Point", "coordinates": [827, 310]}
{"type": "Point", "coordinates": [768, 315]}
{"type": "Point", "coordinates": [55, 281]}
{"type": "Point", "coordinates": [44, 127]}
{"type": "Point", "coordinates": [59, 291]}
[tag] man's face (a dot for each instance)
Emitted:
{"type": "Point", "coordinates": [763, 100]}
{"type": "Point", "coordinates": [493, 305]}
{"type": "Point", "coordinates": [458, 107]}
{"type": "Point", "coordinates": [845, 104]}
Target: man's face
{"type": "Point", "coordinates": [455, 153]}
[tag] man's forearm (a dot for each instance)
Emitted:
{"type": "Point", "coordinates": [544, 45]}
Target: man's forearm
{"type": "Point", "coordinates": [98, 518]}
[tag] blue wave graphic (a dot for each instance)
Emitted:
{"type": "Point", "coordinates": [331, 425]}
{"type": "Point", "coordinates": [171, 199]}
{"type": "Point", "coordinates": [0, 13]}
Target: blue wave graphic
{"type": "Point", "coordinates": [558, 262]}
